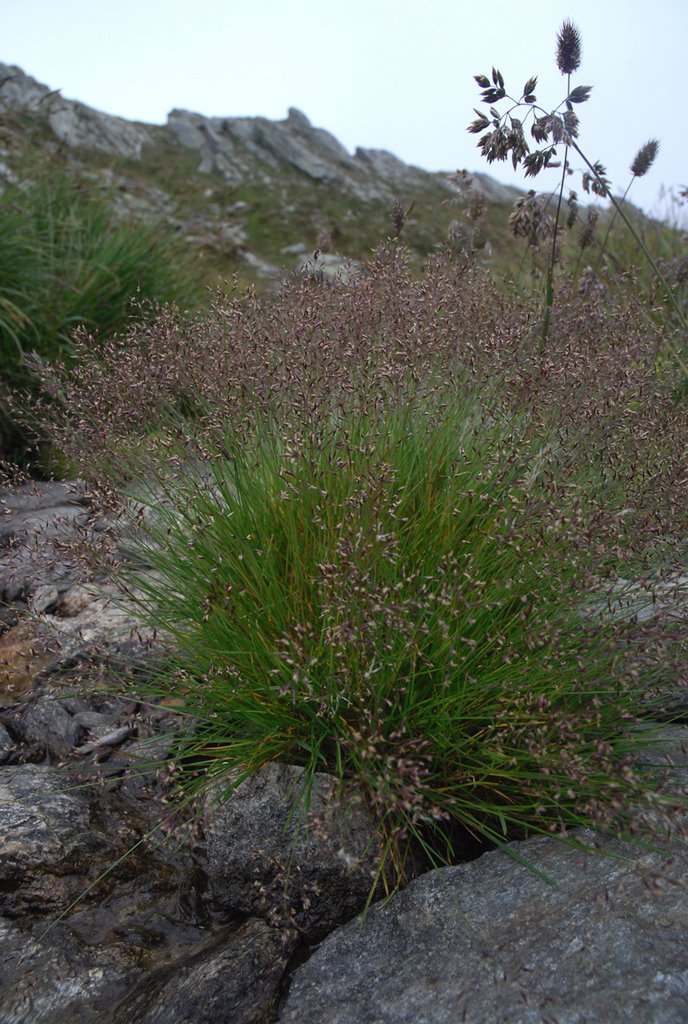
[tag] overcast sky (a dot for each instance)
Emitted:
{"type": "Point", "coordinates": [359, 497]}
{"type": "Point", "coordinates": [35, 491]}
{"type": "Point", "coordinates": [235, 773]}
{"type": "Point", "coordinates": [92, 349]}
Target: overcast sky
{"type": "Point", "coordinates": [390, 74]}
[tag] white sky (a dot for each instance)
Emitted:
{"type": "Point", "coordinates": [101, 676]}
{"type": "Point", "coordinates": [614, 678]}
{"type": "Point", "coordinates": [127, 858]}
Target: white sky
{"type": "Point", "coordinates": [390, 74]}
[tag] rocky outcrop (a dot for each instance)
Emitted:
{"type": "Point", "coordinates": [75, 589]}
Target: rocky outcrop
{"type": "Point", "coordinates": [547, 933]}
{"type": "Point", "coordinates": [267, 856]}
{"type": "Point", "coordinates": [238, 149]}
{"type": "Point", "coordinates": [236, 146]}
{"type": "Point", "coordinates": [73, 123]}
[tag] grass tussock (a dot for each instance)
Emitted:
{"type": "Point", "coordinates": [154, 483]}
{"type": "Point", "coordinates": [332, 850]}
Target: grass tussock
{"type": "Point", "coordinates": [390, 534]}
{"type": "Point", "coordinates": [65, 263]}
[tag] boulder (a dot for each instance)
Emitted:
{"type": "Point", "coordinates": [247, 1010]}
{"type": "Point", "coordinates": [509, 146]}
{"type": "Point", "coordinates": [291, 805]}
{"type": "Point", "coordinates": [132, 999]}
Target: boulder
{"type": "Point", "coordinates": [45, 729]}
{"type": "Point", "coordinates": [59, 979]}
{"type": "Point", "coordinates": [559, 934]}
{"type": "Point", "coordinates": [62, 843]}
{"type": "Point", "coordinates": [589, 930]}
{"type": "Point", "coordinates": [53, 838]}
{"type": "Point", "coordinates": [236, 978]}
{"type": "Point", "coordinates": [268, 857]}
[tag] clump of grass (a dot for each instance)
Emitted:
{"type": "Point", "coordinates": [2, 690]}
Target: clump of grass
{"type": "Point", "coordinates": [503, 136]}
{"type": "Point", "coordinates": [385, 530]}
{"type": "Point", "coordinates": [396, 601]}
{"type": "Point", "coordinates": [65, 263]}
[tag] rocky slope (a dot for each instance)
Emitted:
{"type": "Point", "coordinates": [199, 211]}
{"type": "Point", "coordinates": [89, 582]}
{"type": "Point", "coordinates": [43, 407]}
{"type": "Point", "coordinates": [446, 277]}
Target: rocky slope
{"type": "Point", "coordinates": [248, 192]}
{"type": "Point", "coordinates": [224, 922]}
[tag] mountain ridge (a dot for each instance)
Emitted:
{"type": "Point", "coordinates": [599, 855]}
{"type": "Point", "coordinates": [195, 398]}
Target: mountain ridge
{"type": "Point", "coordinates": [248, 187]}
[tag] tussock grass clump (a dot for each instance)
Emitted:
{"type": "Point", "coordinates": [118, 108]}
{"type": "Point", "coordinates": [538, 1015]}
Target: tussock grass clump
{"type": "Point", "coordinates": [64, 263]}
{"type": "Point", "coordinates": [387, 534]}
{"type": "Point", "coordinates": [397, 602]}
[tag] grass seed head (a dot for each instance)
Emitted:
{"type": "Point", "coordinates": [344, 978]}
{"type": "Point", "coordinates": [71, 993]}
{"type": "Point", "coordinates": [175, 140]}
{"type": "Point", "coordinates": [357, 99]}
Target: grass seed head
{"type": "Point", "coordinates": [569, 48]}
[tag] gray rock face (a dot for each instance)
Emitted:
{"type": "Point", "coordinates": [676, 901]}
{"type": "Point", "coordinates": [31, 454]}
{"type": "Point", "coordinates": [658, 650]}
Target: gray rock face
{"type": "Point", "coordinates": [47, 729]}
{"type": "Point", "coordinates": [73, 123]}
{"type": "Point", "coordinates": [64, 981]}
{"type": "Point", "coordinates": [18, 90]}
{"type": "Point", "coordinates": [235, 979]}
{"type": "Point", "coordinates": [56, 838]}
{"type": "Point", "coordinates": [76, 125]}
{"type": "Point", "coordinates": [49, 839]}
{"type": "Point", "coordinates": [7, 746]}
{"type": "Point", "coordinates": [41, 528]}
{"type": "Point", "coordinates": [35, 523]}
{"type": "Point", "coordinates": [602, 942]}
{"type": "Point", "coordinates": [261, 859]}
{"type": "Point", "coordinates": [236, 147]}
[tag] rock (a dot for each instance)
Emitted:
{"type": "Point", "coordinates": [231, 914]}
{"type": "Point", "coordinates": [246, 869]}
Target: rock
{"type": "Point", "coordinates": [23, 655]}
{"type": "Point", "coordinates": [47, 834]}
{"type": "Point", "coordinates": [73, 123]}
{"type": "Point", "coordinates": [37, 524]}
{"type": "Point", "coordinates": [330, 267]}
{"type": "Point", "coordinates": [49, 523]}
{"type": "Point", "coordinates": [94, 721]}
{"type": "Point", "coordinates": [235, 979]}
{"type": "Point", "coordinates": [18, 90]}
{"type": "Point", "coordinates": [494, 190]}
{"type": "Point", "coordinates": [7, 746]}
{"type": "Point", "coordinates": [219, 153]}
{"type": "Point", "coordinates": [266, 858]}
{"type": "Point", "coordinates": [44, 598]}
{"type": "Point", "coordinates": [602, 941]}
{"type": "Point", "coordinates": [39, 494]}
{"type": "Point", "coordinates": [241, 148]}
{"type": "Point", "coordinates": [555, 932]}
{"type": "Point", "coordinates": [262, 267]}
{"type": "Point", "coordinates": [74, 601]}
{"type": "Point", "coordinates": [79, 970]}
{"type": "Point", "coordinates": [384, 164]}
{"type": "Point", "coordinates": [667, 756]}
{"type": "Point", "coordinates": [59, 980]}
{"type": "Point", "coordinates": [46, 729]}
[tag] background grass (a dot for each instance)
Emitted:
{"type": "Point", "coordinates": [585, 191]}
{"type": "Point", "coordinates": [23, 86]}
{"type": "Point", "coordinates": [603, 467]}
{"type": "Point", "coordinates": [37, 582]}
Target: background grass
{"type": "Point", "coordinates": [66, 264]}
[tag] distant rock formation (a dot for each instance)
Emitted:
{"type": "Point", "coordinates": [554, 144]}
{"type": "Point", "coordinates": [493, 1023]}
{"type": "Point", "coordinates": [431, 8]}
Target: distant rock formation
{"type": "Point", "coordinates": [239, 149]}
{"type": "Point", "coordinates": [73, 123]}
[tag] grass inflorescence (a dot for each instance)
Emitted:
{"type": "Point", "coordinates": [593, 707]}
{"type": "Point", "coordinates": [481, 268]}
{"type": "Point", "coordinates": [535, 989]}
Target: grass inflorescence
{"type": "Point", "coordinates": [540, 139]}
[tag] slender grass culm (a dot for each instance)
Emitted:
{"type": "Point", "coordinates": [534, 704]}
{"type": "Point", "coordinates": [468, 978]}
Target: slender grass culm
{"type": "Point", "coordinates": [503, 136]}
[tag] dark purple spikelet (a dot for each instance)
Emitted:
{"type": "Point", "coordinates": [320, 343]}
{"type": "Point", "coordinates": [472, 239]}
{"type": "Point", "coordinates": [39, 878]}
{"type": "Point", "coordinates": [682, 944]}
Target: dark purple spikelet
{"type": "Point", "coordinates": [644, 158]}
{"type": "Point", "coordinates": [568, 48]}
